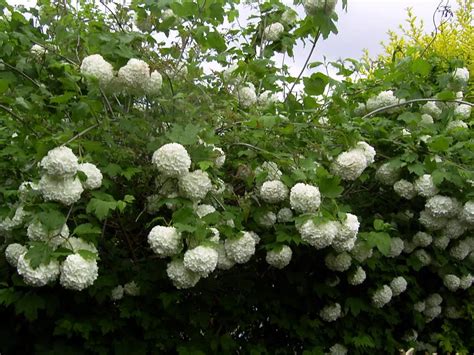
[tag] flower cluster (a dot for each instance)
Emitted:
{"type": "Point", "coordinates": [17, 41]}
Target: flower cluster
{"type": "Point", "coordinates": [273, 32]}
{"type": "Point", "coordinates": [279, 258]}
{"type": "Point", "coordinates": [351, 164]}
{"type": "Point", "coordinates": [312, 7]}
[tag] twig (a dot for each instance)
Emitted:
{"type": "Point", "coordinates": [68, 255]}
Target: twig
{"type": "Point", "coordinates": [114, 15]}
{"type": "Point", "coordinates": [80, 134]}
{"type": "Point", "coordinates": [253, 147]}
{"type": "Point", "coordinates": [22, 120]}
{"type": "Point", "coordinates": [460, 102]}
{"type": "Point", "coordinates": [436, 26]}
{"type": "Point", "coordinates": [21, 73]}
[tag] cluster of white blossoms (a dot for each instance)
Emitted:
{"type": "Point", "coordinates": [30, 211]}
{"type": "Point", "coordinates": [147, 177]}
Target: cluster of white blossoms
{"type": "Point", "coordinates": [404, 189]}
{"type": "Point", "coordinates": [338, 349]}
{"type": "Point", "coordinates": [305, 198]}
{"type": "Point", "coordinates": [240, 249]}
{"type": "Point", "coordinates": [134, 77]}
{"type": "Point", "coordinates": [432, 306]}
{"type": "Point", "coordinates": [382, 296]}
{"type": "Point", "coordinates": [313, 7]}
{"type": "Point", "coordinates": [330, 313]}
{"type": "Point", "coordinates": [396, 247]}
{"type": "Point", "coordinates": [201, 260]}
{"type": "Point", "coordinates": [38, 51]}
{"type": "Point", "coordinates": [36, 231]}
{"type": "Point", "coordinates": [398, 285]}
{"type": "Point", "coordinates": [338, 262]}
{"type": "Point", "coordinates": [273, 32]}
{"type": "Point", "coordinates": [279, 258]}
{"type": "Point", "coordinates": [246, 95]}
{"type": "Point", "coordinates": [351, 164]}
{"type": "Point", "coordinates": [383, 99]}
{"type": "Point", "coordinates": [430, 108]}
{"type": "Point", "coordinates": [443, 206]}
{"type": "Point", "coordinates": [460, 78]}
{"type": "Point", "coordinates": [422, 239]}
{"type": "Point", "coordinates": [181, 277]}
{"type": "Point", "coordinates": [266, 99]}
{"type": "Point", "coordinates": [78, 273]}
{"type": "Point", "coordinates": [452, 282]}
{"type": "Point", "coordinates": [357, 277]}
{"type": "Point", "coordinates": [273, 191]}
{"type": "Point", "coordinates": [387, 174]}
{"type": "Point", "coordinates": [270, 169]}
{"type": "Point", "coordinates": [130, 288]}
{"type": "Point", "coordinates": [165, 241]}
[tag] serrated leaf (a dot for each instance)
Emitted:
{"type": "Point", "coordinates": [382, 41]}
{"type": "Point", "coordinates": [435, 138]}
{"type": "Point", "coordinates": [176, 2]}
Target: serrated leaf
{"type": "Point", "coordinates": [87, 229]}
{"type": "Point", "coordinates": [315, 84]}
{"type": "Point", "coordinates": [51, 220]}
{"type": "Point", "coordinates": [29, 305]}
{"type": "Point", "coordinates": [39, 253]}
{"type": "Point", "coordinates": [421, 66]}
{"type": "Point", "coordinates": [87, 254]}
{"type": "Point", "coordinates": [100, 208]}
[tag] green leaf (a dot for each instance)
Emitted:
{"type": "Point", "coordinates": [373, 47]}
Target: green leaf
{"type": "Point", "coordinates": [185, 135]}
{"type": "Point", "coordinates": [421, 66]}
{"type": "Point", "coordinates": [216, 41]}
{"type": "Point", "coordinates": [3, 85]}
{"type": "Point", "coordinates": [87, 229]}
{"type": "Point", "coordinates": [52, 219]}
{"type": "Point", "coordinates": [87, 254]}
{"type": "Point", "coordinates": [39, 253]}
{"type": "Point", "coordinates": [440, 143]}
{"type": "Point", "coordinates": [101, 208]}
{"type": "Point", "coordinates": [380, 240]}
{"type": "Point", "coordinates": [315, 84]}
{"type": "Point", "coordinates": [329, 186]}
{"type": "Point", "coordinates": [29, 305]}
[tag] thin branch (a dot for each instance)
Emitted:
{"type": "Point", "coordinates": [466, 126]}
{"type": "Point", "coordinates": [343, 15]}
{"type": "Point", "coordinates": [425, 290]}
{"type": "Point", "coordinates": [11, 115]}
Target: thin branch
{"type": "Point", "coordinates": [21, 73]}
{"type": "Point", "coordinates": [436, 26]}
{"type": "Point", "coordinates": [460, 102]}
{"type": "Point", "coordinates": [254, 148]}
{"type": "Point", "coordinates": [19, 118]}
{"type": "Point", "coordinates": [80, 134]}
{"type": "Point", "coordinates": [114, 15]}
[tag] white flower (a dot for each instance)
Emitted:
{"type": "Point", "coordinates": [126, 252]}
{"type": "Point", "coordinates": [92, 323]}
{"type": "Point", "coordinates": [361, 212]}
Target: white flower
{"type": "Point", "coordinates": [349, 227]}
{"type": "Point", "coordinates": [340, 262]}
{"type": "Point", "coordinates": [456, 124]}
{"type": "Point", "coordinates": [387, 174]}
{"type": "Point", "coordinates": [319, 236]}
{"type": "Point", "coordinates": [398, 285]}
{"type": "Point", "coordinates": [441, 242]}
{"type": "Point", "coordinates": [382, 296]}
{"type": "Point", "coordinates": [273, 32]}
{"type": "Point", "coordinates": [289, 16]}
{"type": "Point", "coordinates": [78, 273]}
{"type": "Point", "coordinates": [37, 231]}
{"type": "Point", "coordinates": [65, 190]}
{"type": "Point", "coordinates": [165, 241]}
{"type": "Point", "coordinates": [267, 219]}
{"type": "Point", "coordinates": [432, 312]}
{"type": "Point", "coordinates": [271, 169]}
{"type": "Point", "coordinates": [408, 247]}
{"type": "Point", "coordinates": [13, 252]}
{"type": "Point", "coordinates": [422, 239]}
{"type": "Point", "coordinates": [203, 210]}
{"type": "Point", "coordinates": [426, 119]}
{"type": "Point", "coordinates": [361, 251]}
{"type": "Point", "coordinates": [117, 293]}
{"type": "Point", "coordinates": [357, 277]}
{"type": "Point", "coordinates": [26, 189]}
{"type": "Point", "coordinates": [423, 257]}
{"type": "Point", "coordinates": [273, 191]}
{"type": "Point", "coordinates": [452, 282]}
{"type": "Point", "coordinates": [419, 306]}
{"type": "Point", "coordinates": [432, 223]}
{"type": "Point", "coordinates": [153, 84]}
{"type": "Point", "coordinates": [220, 159]}
{"type": "Point", "coordinates": [93, 174]}
{"type": "Point", "coordinates": [383, 99]}
{"type": "Point", "coordinates": [350, 165]}
{"type": "Point", "coordinates": [284, 215]}
{"type": "Point", "coordinates": [195, 185]}
{"type": "Point", "coordinates": [337, 349]}
{"type": "Point", "coordinates": [466, 281]}
{"type": "Point", "coordinates": [240, 249]}
{"type": "Point", "coordinates": [131, 288]}
{"type": "Point", "coordinates": [228, 73]}
{"type": "Point", "coordinates": [60, 161]}
{"type": "Point", "coordinates": [404, 189]}
{"type": "Point", "coordinates": [179, 71]}
{"type": "Point", "coordinates": [463, 112]}
{"type": "Point", "coordinates": [255, 237]}
{"type": "Point", "coordinates": [425, 186]}
{"type": "Point", "coordinates": [434, 300]}
{"type": "Point", "coordinates": [267, 98]}
{"type": "Point", "coordinates": [42, 275]}
{"type": "Point", "coordinates": [360, 110]}
{"type": "Point", "coordinates": [77, 244]}
{"type": "Point", "coordinates": [181, 277]}
{"type": "Point", "coordinates": [305, 198]}
{"type": "Point", "coordinates": [95, 66]}
{"type": "Point", "coordinates": [396, 247]}
{"type": "Point", "coordinates": [431, 109]}
{"type": "Point", "coordinates": [312, 7]}
{"type": "Point", "coordinates": [134, 75]}
{"type": "Point", "coordinates": [369, 151]}
{"type": "Point", "coordinates": [38, 51]}
{"type": "Point", "coordinates": [331, 312]}
{"type": "Point", "coordinates": [167, 14]}
{"type": "Point", "coordinates": [460, 77]}
{"type": "Point", "coordinates": [467, 213]}
{"type": "Point", "coordinates": [172, 160]}
{"type": "Point", "coordinates": [443, 206]}
{"type": "Point", "coordinates": [223, 262]}
{"type": "Point", "coordinates": [460, 251]}
{"type": "Point", "coordinates": [201, 260]}
{"type": "Point", "coordinates": [246, 95]}
{"type": "Point", "coordinates": [11, 223]}
{"type": "Point", "coordinates": [279, 258]}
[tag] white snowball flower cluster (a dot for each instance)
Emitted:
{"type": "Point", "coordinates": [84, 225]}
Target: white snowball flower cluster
{"type": "Point", "coordinates": [273, 191]}
{"type": "Point", "coordinates": [404, 189]}
{"type": "Point", "coordinates": [273, 32]}
{"type": "Point", "coordinates": [267, 219]}
{"type": "Point", "coordinates": [433, 306]}
{"type": "Point", "coordinates": [398, 285]}
{"type": "Point", "coordinates": [368, 150]}
{"type": "Point", "coordinates": [13, 253]}
{"type": "Point", "coordinates": [319, 236]}
{"type": "Point", "coordinates": [419, 306]}
{"type": "Point", "coordinates": [312, 7]}
{"type": "Point", "coordinates": [18, 219]}
{"type": "Point", "coordinates": [65, 190]}
{"type": "Point", "coordinates": [95, 66]}
{"type": "Point", "coordinates": [246, 95]}
{"type": "Point", "coordinates": [93, 175]}
{"type": "Point", "coordinates": [423, 257]}
{"type": "Point", "coordinates": [383, 99]}
{"type": "Point", "coordinates": [460, 77]}
{"type": "Point", "coordinates": [219, 160]}
{"type": "Point", "coordinates": [382, 296]}
{"type": "Point", "coordinates": [240, 249]}
{"type": "Point", "coordinates": [41, 276]}
{"type": "Point", "coordinates": [422, 239]}
{"type": "Point", "coordinates": [425, 186]}
{"type": "Point", "coordinates": [36, 231]}
{"type": "Point", "coordinates": [351, 164]}
{"type": "Point", "coordinates": [117, 293]}
{"type": "Point", "coordinates": [266, 99]}
{"type": "Point", "coordinates": [460, 251]}
{"type": "Point", "coordinates": [463, 112]}
{"type": "Point", "coordinates": [201, 260]}
{"type": "Point", "coordinates": [167, 14]}
{"type": "Point", "coordinates": [223, 262]}
{"type": "Point", "coordinates": [430, 108]}
{"type": "Point", "coordinates": [452, 282]}
{"type": "Point", "coordinates": [203, 210]}
{"type": "Point", "coordinates": [432, 223]}
{"type": "Point", "coordinates": [361, 251]}
{"type": "Point", "coordinates": [347, 234]}
{"type": "Point", "coordinates": [466, 281]}
{"type": "Point", "coordinates": [337, 349]}
{"type": "Point", "coordinates": [131, 288]}
{"type": "Point", "coordinates": [165, 241]}
{"type": "Point", "coordinates": [443, 206]}
{"type": "Point", "coordinates": [284, 215]}
{"type": "Point", "coordinates": [357, 277]}
{"type": "Point", "coordinates": [195, 185]}
{"type": "Point", "coordinates": [172, 160]}
{"type": "Point", "coordinates": [340, 262]}
{"type": "Point", "coordinates": [456, 124]}
{"type": "Point", "coordinates": [38, 51]}
{"type": "Point", "coordinates": [441, 242]}
{"type": "Point", "coordinates": [60, 162]}
{"type": "Point", "coordinates": [396, 247]}
{"type": "Point", "coordinates": [153, 85]}
{"type": "Point", "coordinates": [271, 170]}
{"type": "Point", "coordinates": [467, 213]}
{"type": "Point", "coordinates": [289, 16]}
{"type": "Point", "coordinates": [330, 313]}
{"type": "Point", "coordinates": [453, 313]}
{"type": "Point", "coordinates": [181, 277]}
{"type": "Point", "coordinates": [305, 198]}
{"type": "Point", "coordinates": [134, 75]}
{"type": "Point", "coordinates": [26, 189]}
{"type": "Point", "coordinates": [387, 174]}
{"type": "Point", "coordinates": [279, 258]}
{"type": "Point", "coordinates": [77, 244]}
{"type": "Point", "coordinates": [426, 119]}
{"type": "Point", "coordinates": [78, 273]}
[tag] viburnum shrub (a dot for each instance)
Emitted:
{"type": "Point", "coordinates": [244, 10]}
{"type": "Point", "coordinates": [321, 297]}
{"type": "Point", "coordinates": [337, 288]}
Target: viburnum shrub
{"type": "Point", "coordinates": [168, 186]}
